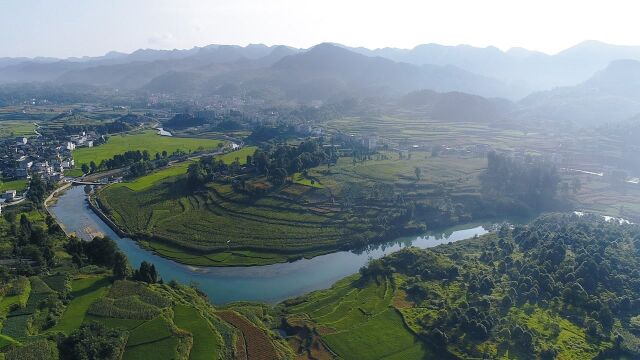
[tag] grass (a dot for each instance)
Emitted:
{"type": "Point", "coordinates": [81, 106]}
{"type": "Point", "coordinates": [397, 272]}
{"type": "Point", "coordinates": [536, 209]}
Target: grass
{"type": "Point", "coordinates": [206, 342]}
{"type": "Point", "coordinates": [10, 129]}
{"type": "Point", "coordinates": [221, 220]}
{"type": "Point", "coordinates": [20, 300]}
{"type": "Point", "coordinates": [224, 258]}
{"type": "Point", "coordinates": [152, 340]}
{"type": "Point", "coordinates": [155, 177]}
{"type": "Point", "coordinates": [299, 178]}
{"type": "Point", "coordinates": [382, 337]}
{"type": "Point", "coordinates": [6, 341]}
{"type": "Point", "coordinates": [357, 321]}
{"type": "Point", "coordinates": [221, 227]}
{"type": "Point", "coordinates": [19, 185]}
{"type": "Point", "coordinates": [241, 155]}
{"type": "Point", "coordinates": [147, 140]}
{"type": "Point", "coordinates": [85, 291]}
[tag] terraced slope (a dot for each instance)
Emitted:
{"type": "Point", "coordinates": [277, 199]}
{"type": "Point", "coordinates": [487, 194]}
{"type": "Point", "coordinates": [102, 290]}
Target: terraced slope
{"type": "Point", "coordinates": [219, 219]}
{"type": "Point", "coordinates": [353, 319]}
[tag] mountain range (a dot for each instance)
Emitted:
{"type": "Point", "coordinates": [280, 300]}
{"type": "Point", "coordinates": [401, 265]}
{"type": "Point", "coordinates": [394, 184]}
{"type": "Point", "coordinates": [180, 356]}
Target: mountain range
{"type": "Point", "coordinates": [589, 83]}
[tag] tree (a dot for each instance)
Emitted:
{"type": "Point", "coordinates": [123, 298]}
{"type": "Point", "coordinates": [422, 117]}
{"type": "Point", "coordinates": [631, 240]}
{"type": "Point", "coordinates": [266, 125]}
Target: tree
{"type": "Point", "coordinates": [121, 268]}
{"type": "Point", "coordinates": [278, 176]}
{"type": "Point", "coordinates": [37, 190]}
{"type": "Point", "coordinates": [418, 173]}
{"type": "Point", "coordinates": [92, 341]}
{"type": "Point", "coordinates": [101, 251]}
{"type": "Point", "coordinates": [195, 175]}
{"type": "Point", "coordinates": [147, 273]}
{"type": "Point", "coordinates": [85, 168]}
{"type": "Point", "coordinates": [93, 166]}
{"type": "Point", "coordinates": [25, 227]}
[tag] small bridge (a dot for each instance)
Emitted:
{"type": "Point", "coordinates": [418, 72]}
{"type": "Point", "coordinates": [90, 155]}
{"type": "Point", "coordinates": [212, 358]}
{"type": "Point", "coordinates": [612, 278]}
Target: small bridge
{"type": "Point", "coordinates": [80, 182]}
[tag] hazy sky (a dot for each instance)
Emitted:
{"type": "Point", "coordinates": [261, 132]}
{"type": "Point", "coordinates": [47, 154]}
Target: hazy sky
{"type": "Point", "coordinates": [92, 27]}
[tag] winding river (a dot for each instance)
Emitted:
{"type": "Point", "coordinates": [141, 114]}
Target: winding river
{"type": "Point", "coordinates": [270, 283]}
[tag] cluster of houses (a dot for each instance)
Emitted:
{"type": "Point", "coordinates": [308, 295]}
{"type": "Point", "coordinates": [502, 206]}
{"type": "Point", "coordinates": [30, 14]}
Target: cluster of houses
{"type": "Point", "coordinates": [81, 140]}
{"type": "Point", "coordinates": [23, 157]}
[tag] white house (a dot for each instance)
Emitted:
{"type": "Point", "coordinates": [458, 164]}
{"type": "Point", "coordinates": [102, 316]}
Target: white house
{"type": "Point", "coordinates": [9, 195]}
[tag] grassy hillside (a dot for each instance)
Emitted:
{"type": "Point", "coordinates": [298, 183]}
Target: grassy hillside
{"type": "Point", "coordinates": [355, 317]}
{"type": "Point", "coordinates": [562, 287]}
{"type": "Point", "coordinates": [156, 321]}
{"type": "Point", "coordinates": [346, 205]}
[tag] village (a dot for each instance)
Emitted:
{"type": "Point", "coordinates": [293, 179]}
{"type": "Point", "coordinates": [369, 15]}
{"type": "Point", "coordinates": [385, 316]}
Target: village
{"type": "Point", "coordinates": [25, 157]}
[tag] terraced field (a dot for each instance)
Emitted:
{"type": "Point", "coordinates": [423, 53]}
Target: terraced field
{"type": "Point", "coordinates": [85, 292]}
{"type": "Point", "coordinates": [356, 320]}
{"type": "Point", "coordinates": [220, 219]}
{"type": "Point", "coordinates": [257, 344]}
{"type": "Point", "coordinates": [206, 342]}
{"type": "Point", "coordinates": [220, 227]}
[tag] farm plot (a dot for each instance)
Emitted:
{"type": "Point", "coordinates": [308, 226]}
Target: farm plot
{"type": "Point", "coordinates": [10, 129]}
{"type": "Point", "coordinates": [206, 342]}
{"type": "Point", "coordinates": [16, 326]}
{"type": "Point", "coordinates": [220, 220]}
{"type": "Point", "coordinates": [155, 339]}
{"type": "Point", "coordinates": [356, 320]}
{"type": "Point", "coordinates": [147, 140]}
{"type": "Point", "coordinates": [85, 292]}
{"type": "Point", "coordinates": [258, 346]}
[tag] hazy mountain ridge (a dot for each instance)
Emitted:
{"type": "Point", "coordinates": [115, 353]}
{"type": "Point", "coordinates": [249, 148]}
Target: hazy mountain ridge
{"type": "Point", "coordinates": [330, 71]}
{"type": "Point", "coordinates": [531, 69]}
{"type": "Point", "coordinates": [611, 95]}
{"type": "Point", "coordinates": [458, 106]}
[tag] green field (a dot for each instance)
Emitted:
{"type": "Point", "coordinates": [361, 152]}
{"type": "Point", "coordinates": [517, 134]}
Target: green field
{"type": "Point", "coordinates": [153, 339]}
{"type": "Point", "coordinates": [357, 320]}
{"type": "Point", "coordinates": [18, 185]}
{"type": "Point", "coordinates": [10, 129]}
{"type": "Point", "coordinates": [206, 342]}
{"type": "Point", "coordinates": [240, 155]}
{"type": "Point", "coordinates": [147, 181]}
{"type": "Point", "coordinates": [148, 140]}
{"type": "Point", "coordinates": [85, 292]}
{"type": "Point", "coordinates": [205, 222]}
{"type": "Point", "coordinates": [222, 227]}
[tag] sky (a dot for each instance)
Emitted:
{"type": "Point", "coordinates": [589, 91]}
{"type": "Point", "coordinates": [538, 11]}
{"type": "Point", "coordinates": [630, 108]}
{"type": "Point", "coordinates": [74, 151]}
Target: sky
{"type": "Point", "coordinates": [64, 28]}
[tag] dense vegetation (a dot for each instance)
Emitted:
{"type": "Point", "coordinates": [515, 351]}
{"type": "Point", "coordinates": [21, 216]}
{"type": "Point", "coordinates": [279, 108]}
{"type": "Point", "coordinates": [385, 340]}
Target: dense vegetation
{"type": "Point", "coordinates": [531, 181]}
{"type": "Point", "coordinates": [62, 298]}
{"type": "Point", "coordinates": [563, 286]}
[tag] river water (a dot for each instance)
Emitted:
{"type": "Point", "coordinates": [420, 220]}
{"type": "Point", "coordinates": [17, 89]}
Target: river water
{"type": "Point", "coordinates": [269, 283]}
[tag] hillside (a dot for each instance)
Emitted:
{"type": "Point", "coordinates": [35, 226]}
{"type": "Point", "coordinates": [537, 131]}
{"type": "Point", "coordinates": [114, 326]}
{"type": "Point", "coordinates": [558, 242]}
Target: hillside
{"type": "Point", "coordinates": [561, 287]}
{"type": "Point", "coordinates": [610, 95]}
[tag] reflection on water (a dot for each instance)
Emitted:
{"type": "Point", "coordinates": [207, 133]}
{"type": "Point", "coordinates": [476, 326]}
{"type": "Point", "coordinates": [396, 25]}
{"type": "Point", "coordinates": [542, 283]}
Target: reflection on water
{"type": "Point", "coordinates": [269, 283]}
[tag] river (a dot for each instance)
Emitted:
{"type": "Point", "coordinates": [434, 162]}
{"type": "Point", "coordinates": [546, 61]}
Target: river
{"type": "Point", "coordinates": [269, 283]}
